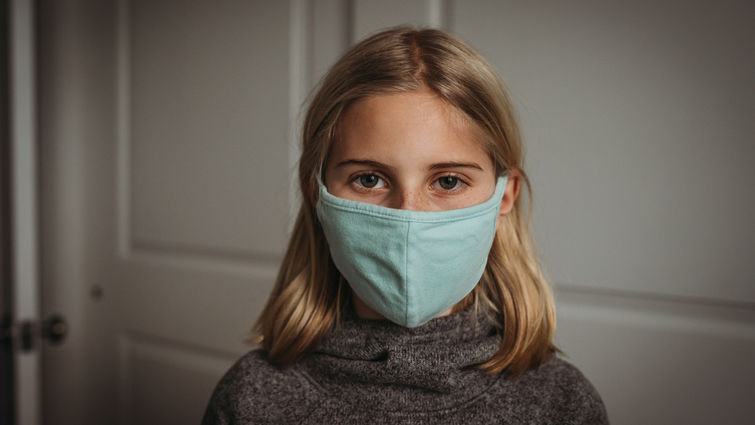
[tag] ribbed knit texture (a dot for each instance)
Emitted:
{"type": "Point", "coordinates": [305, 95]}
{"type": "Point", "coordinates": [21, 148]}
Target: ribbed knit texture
{"type": "Point", "coordinates": [377, 372]}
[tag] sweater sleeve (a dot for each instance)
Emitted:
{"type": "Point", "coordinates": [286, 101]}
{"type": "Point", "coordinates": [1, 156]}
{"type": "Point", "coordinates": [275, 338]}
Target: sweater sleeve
{"type": "Point", "coordinates": [222, 408]}
{"type": "Point", "coordinates": [590, 408]}
{"type": "Point", "coordinates": [580, 402]}
{"type": "Point", "coordinates": [215, 415]}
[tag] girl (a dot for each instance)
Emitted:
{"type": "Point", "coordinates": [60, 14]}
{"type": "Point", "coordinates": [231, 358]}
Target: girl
{"type": "Point", "coordinates": [410, 291]}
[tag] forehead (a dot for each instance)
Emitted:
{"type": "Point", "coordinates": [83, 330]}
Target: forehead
{"type": "Point", "coordinates": [414, 125]}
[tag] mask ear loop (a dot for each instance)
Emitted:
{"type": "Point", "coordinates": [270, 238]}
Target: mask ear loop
{"type": "Point", "coordinates": [320, 180]}
{"type": "Point", "coordinates": [320, 183]}
{"type": "Point", "coordinates": [321, 175]}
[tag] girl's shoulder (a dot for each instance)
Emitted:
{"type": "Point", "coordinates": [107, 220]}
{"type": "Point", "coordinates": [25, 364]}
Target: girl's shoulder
{"type": "Point", "coordinates": [560, 392]}
{"type": "Point", "coordinates": [255, 391]}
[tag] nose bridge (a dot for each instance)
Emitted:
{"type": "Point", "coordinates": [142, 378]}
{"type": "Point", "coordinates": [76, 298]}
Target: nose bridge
{"type": "Point", "coordinates": [411, 200]}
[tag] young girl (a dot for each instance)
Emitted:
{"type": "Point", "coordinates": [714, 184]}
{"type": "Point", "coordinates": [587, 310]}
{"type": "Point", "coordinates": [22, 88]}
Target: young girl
{"type": "Point", "coordinates": [410, 291]}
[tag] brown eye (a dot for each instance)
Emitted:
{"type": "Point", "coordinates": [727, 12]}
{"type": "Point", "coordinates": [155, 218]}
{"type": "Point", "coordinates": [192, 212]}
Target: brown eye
{"type": "Point", "coordinates": [369, 181]}
{"type": "Point", "coordinates": [448, 182]}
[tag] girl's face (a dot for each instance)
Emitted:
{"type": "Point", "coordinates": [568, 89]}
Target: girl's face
{"type": "Point", "coordinates": [410, 151]}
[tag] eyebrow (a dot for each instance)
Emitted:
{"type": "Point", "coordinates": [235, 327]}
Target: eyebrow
{"type": "Point", "coordinates": [456, 165]}
{"type": "Point", "coordinates": [440, 165]}
{"type": "Point", "coordinates": [367, 162]}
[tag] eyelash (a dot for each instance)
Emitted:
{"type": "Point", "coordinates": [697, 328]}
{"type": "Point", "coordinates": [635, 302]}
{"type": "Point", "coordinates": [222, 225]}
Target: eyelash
{"type": "Point", "coordinates": [356, 181]}
{"type": "Point", "coordinates": [460, 181]}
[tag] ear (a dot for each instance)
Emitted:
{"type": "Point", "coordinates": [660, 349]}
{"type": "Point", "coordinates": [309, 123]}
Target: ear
{"type": "Point", "coordinates": [509, 195]}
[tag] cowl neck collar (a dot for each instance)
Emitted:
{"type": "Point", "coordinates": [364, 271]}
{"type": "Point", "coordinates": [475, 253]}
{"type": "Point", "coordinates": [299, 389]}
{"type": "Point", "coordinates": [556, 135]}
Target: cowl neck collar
{"type": "Point", "coordinates": [385, 366]}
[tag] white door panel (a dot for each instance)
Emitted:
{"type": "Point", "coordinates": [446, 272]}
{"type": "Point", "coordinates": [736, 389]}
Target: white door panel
{"type": "Point", "coordinates": [165, 137]}
{"type": "Point", "coordinates": [205, 127]}
{"type": "Point", "coordinates": [638, 124]}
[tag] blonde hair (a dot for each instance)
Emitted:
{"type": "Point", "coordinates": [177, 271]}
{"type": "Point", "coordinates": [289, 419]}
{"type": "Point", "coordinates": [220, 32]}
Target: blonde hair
{"type": "Point", "coordinates": [310, 292]}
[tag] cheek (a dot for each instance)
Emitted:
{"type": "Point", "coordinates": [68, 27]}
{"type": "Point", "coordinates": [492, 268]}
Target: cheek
{"type": "Point", "coordinates": [471, 197]}
{"type": "Point", "coordinates": [462, 201]}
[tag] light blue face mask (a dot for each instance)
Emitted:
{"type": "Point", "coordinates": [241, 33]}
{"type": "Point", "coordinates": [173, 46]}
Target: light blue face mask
{"type": "Point", "coordinates": [409, 266]}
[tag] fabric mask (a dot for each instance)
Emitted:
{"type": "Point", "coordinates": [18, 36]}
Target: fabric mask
{"type": "Point", "coordinates": [409, 266]}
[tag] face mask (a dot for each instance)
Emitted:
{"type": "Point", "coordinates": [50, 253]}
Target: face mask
{"type": "Point", "coordinates": [409, 266]}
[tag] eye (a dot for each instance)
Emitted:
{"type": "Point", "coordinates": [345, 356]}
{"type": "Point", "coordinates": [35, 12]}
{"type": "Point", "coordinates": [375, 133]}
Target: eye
{"type": "Point", "coordinates": [370, 181]}
{"type": "Point", "coordinates": [448, 182]}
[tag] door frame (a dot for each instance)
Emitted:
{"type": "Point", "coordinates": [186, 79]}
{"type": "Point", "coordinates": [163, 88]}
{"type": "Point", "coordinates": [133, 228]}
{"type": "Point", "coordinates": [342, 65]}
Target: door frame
{"type": "Point", "coordinates": [23, 192]}
{"type": "Point", "coordinates": [7, 414]}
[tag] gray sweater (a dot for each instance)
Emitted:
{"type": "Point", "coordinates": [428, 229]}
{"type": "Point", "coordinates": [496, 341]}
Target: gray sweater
{"type": "Point", "coordinates": [376, 372]}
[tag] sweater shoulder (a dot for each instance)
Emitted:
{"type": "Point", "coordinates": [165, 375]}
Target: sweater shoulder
{"type": "Point", "coordinates": [569, 377]}
{"type": "Point", "coordinates": [560, 393]}
{"type": "Point", "coordinates": [255, 391]}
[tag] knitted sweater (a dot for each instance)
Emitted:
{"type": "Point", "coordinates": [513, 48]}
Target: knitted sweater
{"type": "Point", "coordinates": [376, 372]}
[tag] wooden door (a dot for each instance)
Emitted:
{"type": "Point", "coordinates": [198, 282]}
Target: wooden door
{"type": "Point", "coordinates": [166, 175]}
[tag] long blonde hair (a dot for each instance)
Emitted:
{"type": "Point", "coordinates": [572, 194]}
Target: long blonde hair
{"type": "Point", "coordinates": [310, 292]}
